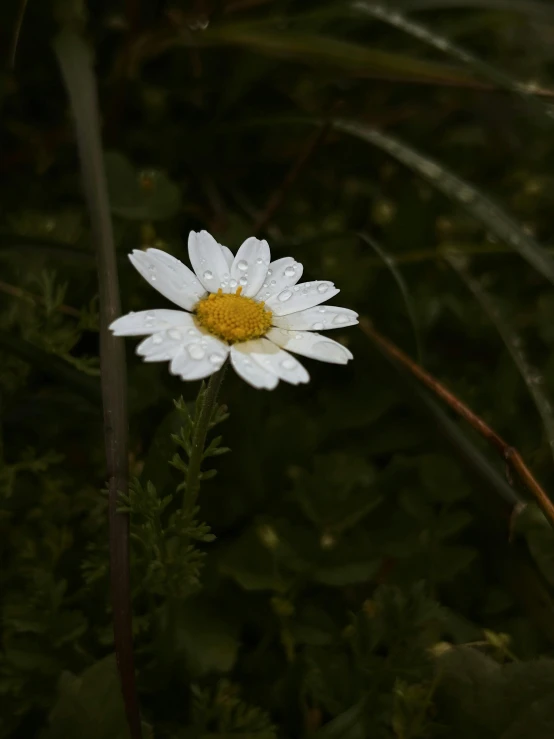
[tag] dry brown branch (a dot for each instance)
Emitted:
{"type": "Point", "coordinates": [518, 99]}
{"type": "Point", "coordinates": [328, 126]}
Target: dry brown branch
{"type": "Point", "coordinates": [508, 453]}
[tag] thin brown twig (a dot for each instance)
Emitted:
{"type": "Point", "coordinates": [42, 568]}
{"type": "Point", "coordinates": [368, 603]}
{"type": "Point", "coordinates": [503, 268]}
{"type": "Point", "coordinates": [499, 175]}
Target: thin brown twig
{"type": "Point", "coordinates": [508, 453]}
{"type": "Point", "coordinates": [278, 195]}
{"type": "Point", "coordinates": [18, 292]}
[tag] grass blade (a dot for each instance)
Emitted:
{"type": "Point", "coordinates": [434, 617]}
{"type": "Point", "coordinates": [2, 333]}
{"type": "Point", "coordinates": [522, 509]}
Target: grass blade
{"type": "Point", "coordinates": [530, 375]}
{"type": "Point", "coordinates": [469, 197]}
{"type": "Point", "coordinates": [322, 49]}
{"type": "Point", "coordinates": [390, 262]}
{"type": "Point", "coordinates": [460, 54]}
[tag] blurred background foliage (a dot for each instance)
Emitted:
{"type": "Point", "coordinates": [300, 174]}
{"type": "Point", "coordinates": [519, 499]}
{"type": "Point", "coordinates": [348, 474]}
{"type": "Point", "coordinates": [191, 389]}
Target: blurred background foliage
{"type": "Point", "coordinates": [363, 565]}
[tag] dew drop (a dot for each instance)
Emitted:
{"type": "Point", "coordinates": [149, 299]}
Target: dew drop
{"type": "Point", "coordinates": [242, 265]}
{"type": "Point", "coordinates": [191, 332]}
{"type": "Point", "coordinates": [173, 333]}
{"type": "Point", "coordinates": [208, 275]}
{"type": "Point", "coordinates": [273, 283]}
{"type": "Point", "coordinates": [289, 271]}
{"type": "Point", "coordinates": [321, 310]}
{"type": "Point", "coordinates": [288, 364]}
{"type": "Point", "coordinates": [259, 260]}
{"type": "Point", "coordinates": [243, 280]}
{"type": "Point", "coordinates": [323, 287]}
{"type": "Point", "coordinates": [341, 319]}
{"type": "Point", "coordinates": [285, 295]}
{"type": "Point", "coordinates": [149, 317]}
{"type": "Point", "coordinates": [196, 351]}
{"type": "Point", "coordinates": [269, 271]}
{"type": "Point", "coordinates": [152, 278]}
{"type": "Point", "coordinates": [233, 283]}
{"type": "Point", "coordinates": [216, 359]}
{"type": "Point", "coordinates": [157, 339]}
{"type": "Point", "coordinates": [298, 336]}
{"type": "Point", "coordinates": [317, 326]}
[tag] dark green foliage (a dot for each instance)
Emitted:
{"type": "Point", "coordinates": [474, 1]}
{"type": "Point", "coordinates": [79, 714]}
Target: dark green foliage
{"type": "Point", "coordinates": [363, 564]}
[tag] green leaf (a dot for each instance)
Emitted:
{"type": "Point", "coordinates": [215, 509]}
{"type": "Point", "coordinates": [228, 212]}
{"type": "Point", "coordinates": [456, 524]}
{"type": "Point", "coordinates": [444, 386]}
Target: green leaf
{"type": "Point", "coordinates": [89, 706]}
{"type": "Point", "coordinates": [531, 523]}
{"type": "Point", "coordinates": [207, 637]}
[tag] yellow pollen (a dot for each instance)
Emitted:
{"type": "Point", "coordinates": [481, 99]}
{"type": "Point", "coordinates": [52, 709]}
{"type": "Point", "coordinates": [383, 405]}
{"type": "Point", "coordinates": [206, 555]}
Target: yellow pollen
{"type": "Point", "coordinates": [233, 317]}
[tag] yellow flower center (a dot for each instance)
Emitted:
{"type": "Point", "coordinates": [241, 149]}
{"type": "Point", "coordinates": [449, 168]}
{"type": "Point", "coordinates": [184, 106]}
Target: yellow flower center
{"type": "Point", "coordinates": [233, 317]}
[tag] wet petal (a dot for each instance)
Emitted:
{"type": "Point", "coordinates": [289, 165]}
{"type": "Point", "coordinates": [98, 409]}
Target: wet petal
{"type": "Point", "coordinates": [310, 344]}
{"type": "Point", "coordinates": [208, 261]}
{"type": "Point", "coordinates": [274, 359]}
{"type": "Point", "coordinates": [168, 276]}
{"type": "Point", "coordinates": [199, 358]}
{"type": "Point", "coordinates": [149, 322]}
{"type": "Point", "coordinates": [250, 370]}
{"type": "Point", "coordinates": [250, 266]}
{"type": "Point", "coordinates": [281, 273]}
{"type": "Point", "coordinates": [318, 318]}
{"type": "Point", "coordinates": [301, 297]}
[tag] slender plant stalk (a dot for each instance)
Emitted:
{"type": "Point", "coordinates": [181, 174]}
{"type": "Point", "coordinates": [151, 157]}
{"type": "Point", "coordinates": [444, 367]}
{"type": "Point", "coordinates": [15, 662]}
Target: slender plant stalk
{"type": "Point", "coordinates": [77, 68]}
{"type": "Point", "coordinates": [199, 437]}
{"type": "Point", "coordinates": [508, 453]}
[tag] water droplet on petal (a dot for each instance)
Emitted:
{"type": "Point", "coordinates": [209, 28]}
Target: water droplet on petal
{"type": "Point", "coordinates": [298, 336]}
{"type": "Point", "coordinates": [216, 359]}
{"type": "Point", "coordinates": [317, 326]}
{"type": "Point", "coordinates": [288, 364]}
{"type": "Point", "coordinates": [323, 287]}
{"type": "Point", "coordinates": [290, 270]}
{"type": "Point", "coordinates": [269, 271]}
{"type": "Point", "coordinates": [273, 283]}
{"type": "Point", "coordinates": [192, 332]}
{"type": "Point", "coordinates": [152, 278]}
{"type": "Point", "coordinates": [321, 310]}
{"type": "Point", "coordinates": [243, 280]}
{"type": "Point", "coordinates": [196, 351]}
{"type": "Point", "coordinates": [259, 260]}
{"type": "Point", "coordinates": [242, 265]}
{"type": "Point", "coordinates": [233, 283]}
{"type": "Point", "coordinates": [285, 295]}
{"type": "Point", "coordinates": [341, 319]}
{"type": "Point", "coordinates": [157, 339]}
{"type": "Point", "coordinates": [149, 317]}
{"type": "Point", "coordinates": [208, 275]}
{"type": "Point", "coordinates": [173, 333]}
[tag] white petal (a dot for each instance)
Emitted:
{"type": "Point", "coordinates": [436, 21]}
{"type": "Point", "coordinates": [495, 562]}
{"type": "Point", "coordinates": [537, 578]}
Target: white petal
{"type": "Point", "coordinates": [281, 273]}
{"type": "Point", "coordinates": [250, 370]}
{"type": "Point", "coordinates": [300, 297]}
{"type": "Point", "coordinates": [310, 344]}
{"type": "Point", "coordinates": [150, 322]}
{"type": "Point", "coordinates": [208, 261]}
{"type": "Point", "coordinates": [162, 346]}
{"type": "Point", "coordinates": [198, 359]}
{"type": "Point", "coordinates": [275, 360]}
{"type": "Point", "coordinates": [168, 276]}
{"type": "Point", "coordinates": [319, 318]}
{"type": "Point", "coordinates": [250, 266]}
{"type": "Point", "coordinates": [228, 254]}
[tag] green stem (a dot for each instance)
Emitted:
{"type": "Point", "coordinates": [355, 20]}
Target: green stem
{"type": "Point", "coordinates": [201, 428]}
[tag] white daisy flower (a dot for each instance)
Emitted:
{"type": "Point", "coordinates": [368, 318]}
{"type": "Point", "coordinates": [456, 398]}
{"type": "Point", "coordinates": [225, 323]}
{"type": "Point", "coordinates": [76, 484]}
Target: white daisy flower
{"type": "Point", "coordinates": [242, 306]}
